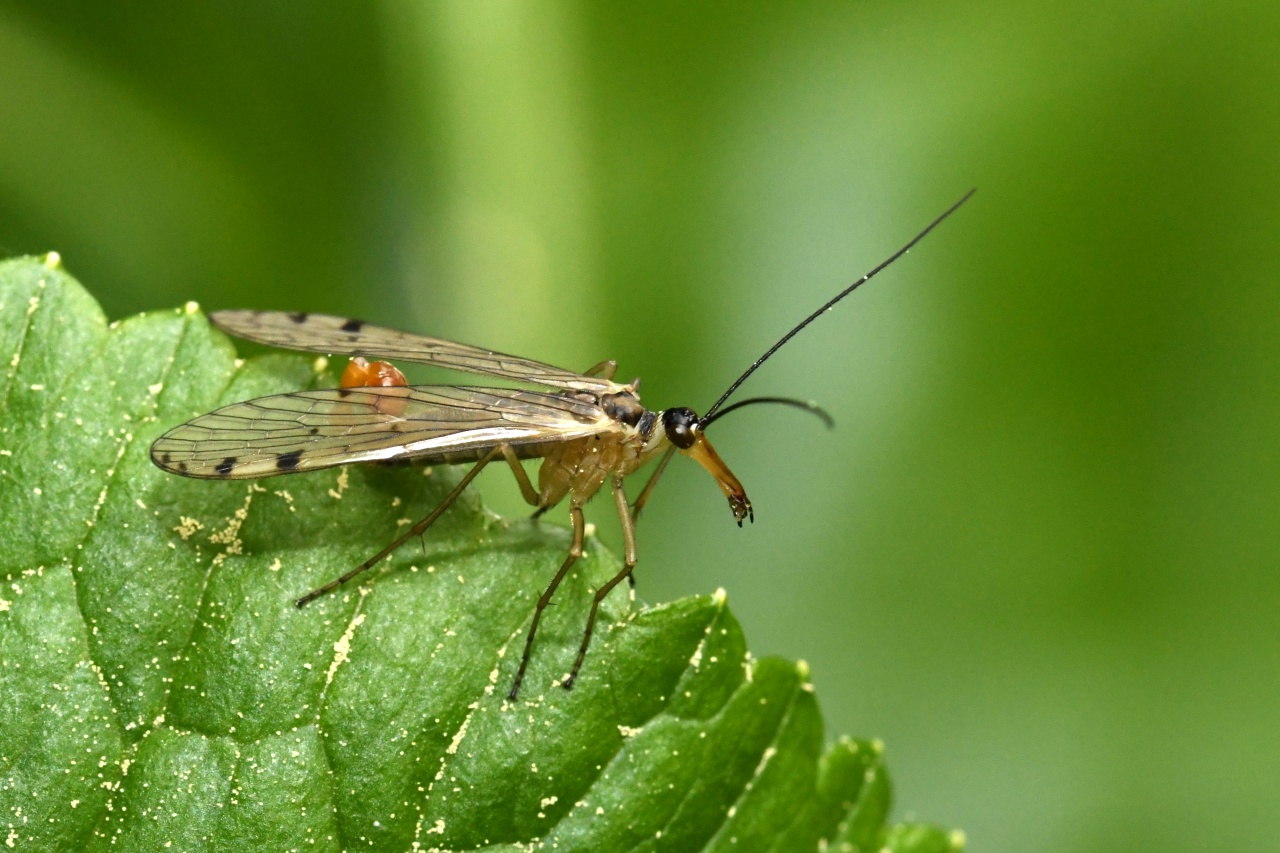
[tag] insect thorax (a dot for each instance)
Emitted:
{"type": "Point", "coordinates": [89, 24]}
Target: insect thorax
{"type": "Point", "coordinates": [582, 466]}
{"type": "Point", "coordinates": [624, 407]}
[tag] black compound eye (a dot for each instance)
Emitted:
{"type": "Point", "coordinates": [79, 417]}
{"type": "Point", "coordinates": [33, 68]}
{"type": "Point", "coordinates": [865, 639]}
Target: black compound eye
{"type": "Point", "coordinates": [681, 426]}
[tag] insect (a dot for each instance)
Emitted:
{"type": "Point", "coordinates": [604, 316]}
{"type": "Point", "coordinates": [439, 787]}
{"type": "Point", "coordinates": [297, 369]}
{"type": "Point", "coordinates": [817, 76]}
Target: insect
{"type": "Point", "coordinates": [588, 430]}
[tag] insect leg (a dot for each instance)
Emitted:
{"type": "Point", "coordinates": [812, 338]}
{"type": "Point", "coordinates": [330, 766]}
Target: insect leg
{"type": "Point", "coordinates": [629, 563]}
{"type": "Point", "coordinates": [605, 369]}
{"type": "Point", "coordinates": [644, 495]}
{"type": "Point", "coordinates": [527, 490]}
{"type": "Point", "coordinates": [653, 481]}
{"type": "Point", "coordinates": [575, 551]}
{"type": "Point", "coordinates": [416, 530]}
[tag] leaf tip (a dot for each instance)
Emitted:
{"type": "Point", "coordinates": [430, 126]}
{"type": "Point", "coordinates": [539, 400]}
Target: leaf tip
{"type": "Point", "coordinates": [191, 307]}
{"type": "Point", "coordinates": [53, 261]}
{"type": "Point", "coordinates": [957, 839]}
{"type": "Point", "coordinates": [720, 597]}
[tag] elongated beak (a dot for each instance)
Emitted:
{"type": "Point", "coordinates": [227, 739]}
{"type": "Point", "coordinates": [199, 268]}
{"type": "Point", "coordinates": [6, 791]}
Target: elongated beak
{"type": "Point", "coordinates": [705, 455]}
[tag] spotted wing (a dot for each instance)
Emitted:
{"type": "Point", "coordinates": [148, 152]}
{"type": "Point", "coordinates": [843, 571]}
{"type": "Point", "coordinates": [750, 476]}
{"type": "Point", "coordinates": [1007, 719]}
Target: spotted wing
{"type": "Point", "coordinates": [307, 430]}
{"type": "Point", "coordinates": [323, 333]}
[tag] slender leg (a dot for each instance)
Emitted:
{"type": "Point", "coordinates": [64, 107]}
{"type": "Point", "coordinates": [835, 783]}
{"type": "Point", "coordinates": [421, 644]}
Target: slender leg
{"type": "Point", "coordinates": [527, 491]}
{"type": "Point", "coordinates": [575, 551]}
{"type": "Point", "coordinates": [416, 530]}
{"type": "Point", "coordinates": [629, 563]}
{"type": "Point", "coordinates": [653, 481]}
{"type": "Point", "coordinates": [605, 369]}
{"type": "Point", "coordinates": [644, 496]}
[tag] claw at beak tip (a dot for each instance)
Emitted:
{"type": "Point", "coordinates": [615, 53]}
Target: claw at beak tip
{"type": "Point", "coordinates": [705, 455]}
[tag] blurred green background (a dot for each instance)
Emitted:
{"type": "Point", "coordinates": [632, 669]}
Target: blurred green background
{"type": "Point", "coordinates": [1038, 554]}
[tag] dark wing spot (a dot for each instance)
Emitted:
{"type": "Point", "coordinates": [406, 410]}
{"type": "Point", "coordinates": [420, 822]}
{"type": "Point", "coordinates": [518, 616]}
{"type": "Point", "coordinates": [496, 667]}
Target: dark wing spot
{"type": "Point", "coordinates": [344, 392]}
{"type": "Point", "coordinates": [288, 461]}
{"type": "Point", "coordinates": [353, 326]}
{"type": "Point", "coordinates": [314, 430]}
{"type": "Point", "coordinates": [224, 467]}
{"type": "Point", "coordinates": [300, 317]}
{"type": "Point", "coordinates": [182, 466]}
{"type": "Point", "coordinates": [165, 458]}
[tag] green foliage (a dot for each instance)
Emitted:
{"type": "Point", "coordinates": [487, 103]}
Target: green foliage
{"type": "Point", "coordinates": [159, 690]}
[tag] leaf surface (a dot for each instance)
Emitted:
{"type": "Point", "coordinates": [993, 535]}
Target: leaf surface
{"type": "Point", "coordinates": [160, 691]}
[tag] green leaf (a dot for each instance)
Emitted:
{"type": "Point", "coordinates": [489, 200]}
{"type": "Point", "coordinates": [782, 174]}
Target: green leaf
{"type": "Point", "coordinates": [160, 691]}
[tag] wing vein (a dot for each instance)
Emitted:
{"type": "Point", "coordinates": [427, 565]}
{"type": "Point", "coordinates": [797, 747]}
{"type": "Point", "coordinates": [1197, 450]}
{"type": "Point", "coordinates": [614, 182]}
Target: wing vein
{"type": "Point", "coordinates": [307, 430]}
{"type": "Point", "coordinates": [323, 333]}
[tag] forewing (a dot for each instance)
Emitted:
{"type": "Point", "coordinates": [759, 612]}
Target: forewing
{"type": "Point", "coordinates": [307, 430]}
{"type": "Point", "coordinates": [323, 333]}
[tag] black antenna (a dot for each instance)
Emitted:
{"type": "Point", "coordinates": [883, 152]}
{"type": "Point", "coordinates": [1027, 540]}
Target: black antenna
{"type": "Point", "coordinates": [828, 305]}
{"type": "Point", "coordinates": [803, 405]}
